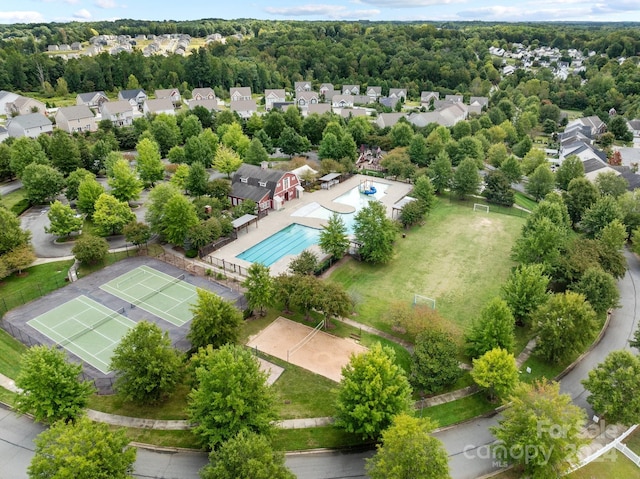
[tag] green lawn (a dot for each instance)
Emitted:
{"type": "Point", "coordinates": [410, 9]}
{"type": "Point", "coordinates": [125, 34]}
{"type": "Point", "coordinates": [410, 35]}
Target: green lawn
{"type": "Point", "coordinates": [459, 410]}
{"type": "Point", "coordinates": [312, 438]}
{"type": "Point", "coordinates": [10, 200]}
{"type": "Point", "coordinates": [612, 465]}
{"type": "Point", "coordinates": [459, 257]}
{"type": "Point", "coordinates": [524, 201]}
{"type": "Point", "coordinates": [10, 352]}
{"type": "Point", "coordinates": [633, 441]}
{"type": "Point", "coordinates": [35, 282]}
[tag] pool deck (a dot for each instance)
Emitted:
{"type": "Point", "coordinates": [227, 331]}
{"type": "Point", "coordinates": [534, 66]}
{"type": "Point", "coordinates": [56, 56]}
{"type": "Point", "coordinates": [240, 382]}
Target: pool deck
{"type": "Point", "coordinates": [277, 220]}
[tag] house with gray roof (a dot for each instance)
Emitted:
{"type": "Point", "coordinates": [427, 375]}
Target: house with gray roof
{"type": "Point", "coordinates": [31, 125]}
{"type": "Point", "coordinates": [595, 125]}
{"type": "Point", "coordinates": [244, 108]}
{"type": "Point", "coordinates": [350, 89]}
{"type": "Point", "coordinates": [241, 93]}
{"type": "Point", "coordinates": [6, 97]}
{"type": "Point", "coordinates": [24, 105]}
{"type": "Point", "coordinates": [400, 93]}
{"type": "Point", "coordinates": [373, 92]}
{"type": "Point", "coordinates": [269, 188]}
{"type": "Point", "coordinates": [300, 86]}
{"type": "Point", "coordinates": [172, 94]}
{"type": "Point", "coordinates": [210, 104]}
{"type": "Point", "coordinates": [205, 93]}
{"type": "Point", "coordinates": [272, 96]}
{"type": "Point", "coordinates": [426, 97]}
{"type": "Point", "coordinates": [93, 99]}
{"type": "Point", "coordinates": [76, 118]}
{"type": "Point", "coordinates": [136, 97]}
{"type": "Point", "coordinates": [120, 112]}
{"type": "Point", "coordinates": [157, 106]}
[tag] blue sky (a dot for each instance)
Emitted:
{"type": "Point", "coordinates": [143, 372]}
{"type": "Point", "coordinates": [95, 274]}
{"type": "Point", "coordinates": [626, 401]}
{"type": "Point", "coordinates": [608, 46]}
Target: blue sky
{"type": "Point", "coordinates": [29, 11]}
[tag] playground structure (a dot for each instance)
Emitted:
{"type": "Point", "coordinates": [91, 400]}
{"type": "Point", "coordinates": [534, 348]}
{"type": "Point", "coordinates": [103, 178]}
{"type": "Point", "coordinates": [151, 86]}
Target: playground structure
{"type": "Point", "coordinates": [369, 159]}
{"type": "Point", "coordinates": [367, 187]}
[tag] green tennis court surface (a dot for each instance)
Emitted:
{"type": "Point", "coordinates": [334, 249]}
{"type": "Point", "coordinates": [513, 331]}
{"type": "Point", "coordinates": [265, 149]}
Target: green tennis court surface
{"type": "Point", "coordinates": [158, 293]}
{"type": "Point", "coordinates": [85, 328]}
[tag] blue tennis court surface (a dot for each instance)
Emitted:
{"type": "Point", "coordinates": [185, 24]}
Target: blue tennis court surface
{"type": "Point", "coordinates": [293, 239]}
{"type": "Point", "coordinates": [85, 328]}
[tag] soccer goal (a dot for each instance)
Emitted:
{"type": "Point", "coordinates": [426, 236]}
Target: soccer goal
{"type": "Point", "coordinates": [424, 300]}
{"type": "Point", "coordinates": [480, 207]}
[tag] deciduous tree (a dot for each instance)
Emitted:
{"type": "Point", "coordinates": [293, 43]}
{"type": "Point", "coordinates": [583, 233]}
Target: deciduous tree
{"type": "Point", "coordinates": [149, 163]}
{"type": "Point", "coordinates": [137, 232]}
{"type": "Point", "coordinates": [599, 288]}
{"type": "Point", "coordinates": [147, 367]}
{"type": "Point", "coordinates": [259, 286]}
{"type": "Point", "coordinates": [11, 234]}
{"type": "Point", "coordinates": [434, 363]}
{"type": "Point", "coordinates": [494, 329]}
{"type": "Point", "coordinates": [466, 180]}
{"type": "Point", "coordinates": [407, 450]}
{"type": "Point", "coordinates": [541, 182]}
{"type": "Point", "coordinates": [63, 220]}
{"type": "Point", "coordinates": [226, 160]}
{"type": "Point", "coordinates": [82, 450]}
{"type": "Point", "coordinates": [564, 324]}
{"type": "Point", "coordinates": [305, 263]}
{"type": "Point", "coordinates": [215, 321]}
{"type": "Point", "coordinates": [375, 233]}
{"type": "Point", "coordinates": [50, 389]}
{"type": "Point", "coordinates": [111, 215]}
{"type": "Point", "coordinates": [540, 419]}
{"type": "Point", "coordinates": [496, 372]}
{"type": "Point", "coordinates": [373, 390]}
{"type": "Point", "coordinates": [89, 191]}
{"type": "Point", "coordinates": [178, 218]}
{"type": "Point", "coordinates": [571, 168]}
{"type": "Point", "coordinates": [125, 185]}
{"type": "Point", "coordinates": [231, 395]}
{"type": "Point", "coordinates": [333, 238]}
{"type": "Point", "coordinates": [41, 182]}
{"type": "Point", "coordinates": [525, 290]}
{"type": "Point", "coordinates": [615, 388]}
{"type": "Point", "coordinates": [246, 456]}
{"type": "Point", "coordinates": [90, 249]}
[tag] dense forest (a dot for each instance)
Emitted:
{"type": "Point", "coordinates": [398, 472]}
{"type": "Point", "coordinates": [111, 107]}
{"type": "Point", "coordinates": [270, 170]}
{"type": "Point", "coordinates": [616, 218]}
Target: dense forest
{"type": "Point", "coordinates": [449, 58]}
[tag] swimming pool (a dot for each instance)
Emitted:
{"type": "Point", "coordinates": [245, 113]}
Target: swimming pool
{"type": "Point", "coordinates": [293, 239]}
{"type": "Point", "coordinates": [353, 197]}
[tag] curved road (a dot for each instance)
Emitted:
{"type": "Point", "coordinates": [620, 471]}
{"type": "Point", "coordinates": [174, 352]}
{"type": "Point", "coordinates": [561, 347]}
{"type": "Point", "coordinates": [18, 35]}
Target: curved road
{"type": "Point", "coordinates": [466, 443]}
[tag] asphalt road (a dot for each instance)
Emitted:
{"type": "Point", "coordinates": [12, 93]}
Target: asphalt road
{"type": "Point", "coordinates": [466, 443]}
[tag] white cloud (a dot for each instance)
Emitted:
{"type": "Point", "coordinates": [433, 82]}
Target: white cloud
{"type": "Point", "coordinates": [106, 3]}
{"type": "Point", "coordinates": [327, 11]}
{"type": "Point", "coordinates": [408, 3]}
{"type": "Point", "coordinates": [83, 14]}
{"type": "Point", "coordinates": [21, 17]}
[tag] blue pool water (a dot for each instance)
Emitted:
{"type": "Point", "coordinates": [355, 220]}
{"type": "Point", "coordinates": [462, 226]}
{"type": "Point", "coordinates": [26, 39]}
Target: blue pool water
{"type": "Point", "coordinates": [293, 239]}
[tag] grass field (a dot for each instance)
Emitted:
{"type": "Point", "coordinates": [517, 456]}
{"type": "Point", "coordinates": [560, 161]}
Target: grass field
{"type": "Point", "coordinates": [459, 257]}
{"type": "Point", "coordinates": [524, 201]}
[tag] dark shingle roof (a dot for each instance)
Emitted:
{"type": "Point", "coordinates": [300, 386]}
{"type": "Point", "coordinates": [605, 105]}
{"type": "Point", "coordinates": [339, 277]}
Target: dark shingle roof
{"type": "Point", "coordinates": [248, 192]}
{"type": "Point", "coordinates": [593, 164]}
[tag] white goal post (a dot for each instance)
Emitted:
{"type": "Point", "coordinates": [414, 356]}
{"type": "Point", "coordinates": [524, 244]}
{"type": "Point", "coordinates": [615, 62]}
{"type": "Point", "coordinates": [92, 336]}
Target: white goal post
{"type": "Point", "coordinates": [480, 207]}
{"type": "Point", "coordinates": [419, 300]}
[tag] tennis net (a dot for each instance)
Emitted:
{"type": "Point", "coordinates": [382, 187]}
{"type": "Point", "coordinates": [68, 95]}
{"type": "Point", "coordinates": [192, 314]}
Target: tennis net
{"type": "Point", "coordinates": [156, 291]}
{"type": "Point", "coordinates": [99, 323]}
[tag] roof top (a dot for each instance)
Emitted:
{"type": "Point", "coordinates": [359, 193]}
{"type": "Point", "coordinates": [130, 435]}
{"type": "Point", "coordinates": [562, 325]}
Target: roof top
{"type": "Point", "coordinates": [130, 94]}
{"type": "Point", "coordinates": [76, 112]}
{"type": "Point", "coordinates": [30, 120]}
{"type": "Point", "coordinates": [243, 220]}
{"type": "Point", "coordinates": [249, 192]}
{"type": "Point", "coordinates": [120, 106]}
{"type": "Point", "coordinates": [90, 95]}
{"type": "Point", "coordinates": [330, 176]}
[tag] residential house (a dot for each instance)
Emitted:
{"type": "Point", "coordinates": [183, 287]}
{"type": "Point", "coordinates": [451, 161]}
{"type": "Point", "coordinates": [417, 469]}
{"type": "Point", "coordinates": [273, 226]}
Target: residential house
{"type": "Point", "coordinates": [29, 124]}
{"type": "Point", "coordinates": [205, 93]}
{"type": "Point", "coordinates": [93, 99]}
{"type": "Point", "coordinates": [319, 108]}
{"type": "Point", "coordinates": [388, 101]}
{"type": "Point", "coordinates": [478, 104]}
{"type": "Point", "coordinates": [267, 187]}
{"type": "Point", "coordinates": [595, 125]}
{"type": "Point", "coordinates": [342, 101]}
{"type": "Point", "coordinates": [301, 86]}
{"type": "Point", "coordinates": [210, 104]}
{"type": "Point", "coordinates": [76, 46]}
{"type": "Point", "coordinates": [272, 96]}
{"type": "Point", "coordinates": [398, 93]}
{"type": "Point", "coordinates": [426, 97]}
{"type": "Point", "coordinates": [240, 93]}
{"type": "Point", "coordinates": [135, 97]}
{"type": "Point", "coordinates": [157, 106]}
{"type": "Point", "coordinates": [385, 120]}
{"type": "Point", "coordinates": [284, 105]}
{"type": "Point", "coordinates": [350, 89]}
{"type": "Point", "coordinates": [4, 134]}
{"type": "Point", "coordinates": [244, 108]}
{"type": "Point", "coordinates": [454, 98]}
{"type": "Point", "coordinates": [24, 105]}
{"type": "Point", "coordinates": [172, 94]}
{"type": "Point", "coordinates": [327, 91]}
{"type": "Point", "coordinates": [374, 92]}
{"type": "Point", "coordinates": [447, 115]}
{"type": "Point", "coordinates": [508, 70]}
{"type": "Point", "coordinates": [75, 118]}
{"type": "Point", "coordinates": [120, 113]}
{"type": "Point", "coordinates": [6, 97]}
{"type": "Point", "coordinates": [306, 98]}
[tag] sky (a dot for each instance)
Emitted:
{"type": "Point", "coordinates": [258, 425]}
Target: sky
{"type": "Point", "coordinates": [34, 11]}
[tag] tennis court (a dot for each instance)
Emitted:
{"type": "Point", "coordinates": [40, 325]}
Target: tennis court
{"type": "Point", "coordinates": [165, 296]}
{"type": "Point", "coordinates": [85, 328]}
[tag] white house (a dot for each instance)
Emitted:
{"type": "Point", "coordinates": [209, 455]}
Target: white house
{"type": "Point", "coordinates": [157, 106]}
{"type": "Point", "coordinates": [31, 125]}
{"type": "Point", "coordinates": [120, 113]}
